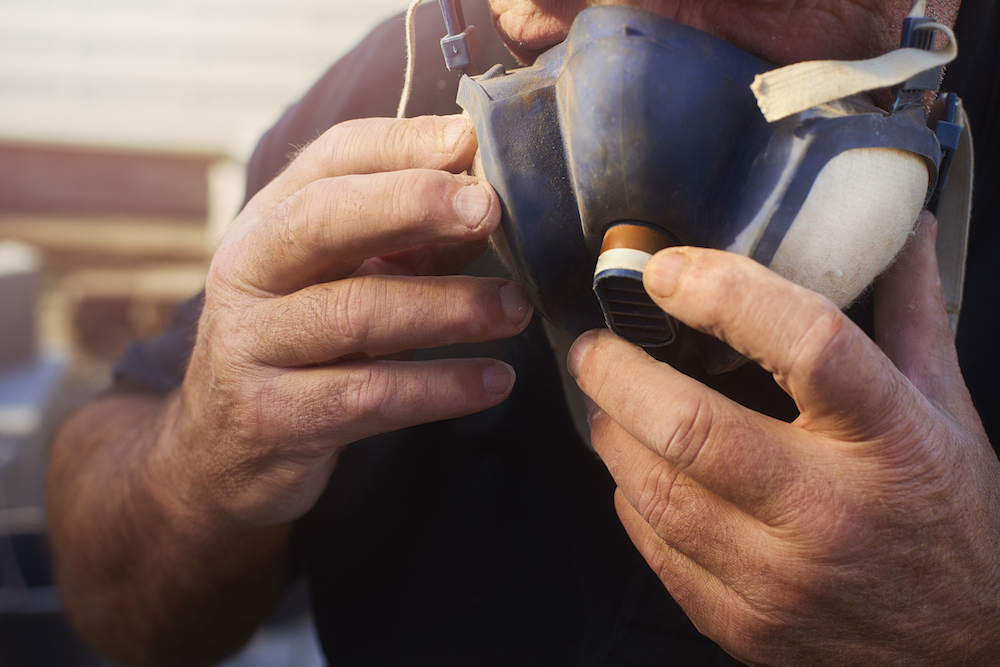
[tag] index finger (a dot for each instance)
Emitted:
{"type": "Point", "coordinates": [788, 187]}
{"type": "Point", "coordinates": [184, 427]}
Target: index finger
{"type": "Point", "coordinates": [373, 145]}
{"type": "Point", "coordinates": [329, 228]}
{"type": "Point", "coordinates": [842, 384]}
{"type": "Point", "coordinates": [744, 457]}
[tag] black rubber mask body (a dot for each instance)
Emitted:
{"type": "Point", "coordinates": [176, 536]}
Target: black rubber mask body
{"type": "Point", "coordinates": [638, 122]}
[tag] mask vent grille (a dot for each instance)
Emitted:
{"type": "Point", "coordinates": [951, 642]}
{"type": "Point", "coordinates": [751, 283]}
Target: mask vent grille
{"type": "Point", "coordinates": [629, 312]}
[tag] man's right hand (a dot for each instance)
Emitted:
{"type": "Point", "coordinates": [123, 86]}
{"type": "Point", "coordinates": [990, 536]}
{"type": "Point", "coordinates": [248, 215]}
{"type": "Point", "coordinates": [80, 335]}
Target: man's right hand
{"type": "Point", "coordinates": [330, 268]}
{"type": "Point", "coordinates": [170, 517]}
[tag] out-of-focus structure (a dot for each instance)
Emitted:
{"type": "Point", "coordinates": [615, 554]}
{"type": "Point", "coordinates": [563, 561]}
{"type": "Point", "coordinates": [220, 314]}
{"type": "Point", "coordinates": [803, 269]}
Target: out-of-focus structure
{"type": "Point", "coordinates": [124, 126]}
{"type": "Point", "coordinates": [124, 129]}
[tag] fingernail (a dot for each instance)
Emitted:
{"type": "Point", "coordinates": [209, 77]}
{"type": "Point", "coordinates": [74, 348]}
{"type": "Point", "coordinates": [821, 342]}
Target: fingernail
{"type": "Point", "coordinates": [592, 408]}
{"type": "Point", "coordinates": [453, 132]}
{"type": "Point", "coordinates": [579, 351]}
{"type": "Point", "coordinates": [498, 378]}
{"type": "Point", "coordinates": [663, 271]}
{"type": "Point", "coordinates": [472, 203]}
{"type": "Point", "coordinates": [515, 303]}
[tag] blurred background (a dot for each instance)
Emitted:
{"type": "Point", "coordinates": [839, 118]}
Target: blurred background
{"type": "Point", "coordinates": [125, 126]}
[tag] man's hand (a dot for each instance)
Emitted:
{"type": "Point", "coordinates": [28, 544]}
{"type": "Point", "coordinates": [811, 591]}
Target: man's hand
{"type": "Point", "coordinates": [866, 532]}
{"type": "Point", "coordinates": [319, 278]}
{"type": "Point", "coordinates": [170, 517]}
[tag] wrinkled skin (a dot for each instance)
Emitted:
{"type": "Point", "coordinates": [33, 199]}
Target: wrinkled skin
{"type": "Point", "coordinates": [863, 533]}
{"type": "Point", "coordinates": [170, 517]}
{"type": "Point", "coordinates": [782, 31]}
{"type": "Point", "coordinates": [868, 530]}
{"type": "Point", "coordinates": [298, 313]}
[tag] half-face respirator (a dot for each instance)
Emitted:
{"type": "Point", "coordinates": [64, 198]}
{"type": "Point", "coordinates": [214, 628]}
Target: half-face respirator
{"type": "Point", "coordinates": [638, 133]}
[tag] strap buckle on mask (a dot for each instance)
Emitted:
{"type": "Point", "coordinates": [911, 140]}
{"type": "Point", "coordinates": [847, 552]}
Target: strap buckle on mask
{"type": "Point", "coordinates": [948, 133]}
{"type": "Point", "coordinates": [461, 45]}
{"type": "Point", "coordinates": [918, 33]}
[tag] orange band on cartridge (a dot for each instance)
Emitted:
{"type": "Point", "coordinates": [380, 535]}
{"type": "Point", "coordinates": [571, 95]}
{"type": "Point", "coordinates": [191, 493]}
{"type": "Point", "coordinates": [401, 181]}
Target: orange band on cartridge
{"type": "Point", "coordinates": [636, 237]}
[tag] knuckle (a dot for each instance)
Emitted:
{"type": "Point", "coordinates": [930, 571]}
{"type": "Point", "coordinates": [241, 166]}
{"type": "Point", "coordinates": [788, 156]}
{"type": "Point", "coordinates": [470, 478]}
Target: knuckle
{"type": "Point", "coordinates": [725, 278]}
{"type": "Point", "coordinates": [469, 309]}
{"type": "Point", "coordinates": [282, 222]}
{"type": "Point", "coordinates": [598, 368]}
{"type": "Point", "coordinates": [659, 500]}
{"type": "Point", "coordinates": [282, 331]}
{"type": "Point", "coordinates": [274, 237]}
{"type": "Point", "coordinates": [247, 253]}
{"type": "Point", "coordinates": [426, 195]}
{"type": "Point", "coordinates": [683, 439]}
{"type": "Point", "coordinates": [255, 325]}
{"type": "Point", "coordinates": [224, 261]}
{"type": "Point", "coordinates": [396, 140]}
{"type": "Point", "coordinates": [366, 393]}
{"type": "Point", "coordinates": [348, 309]}
{"type": "Point", "coordinates": [267, 413]}
{"type": "Point", "coordinates": [242, 405]}
{"type": "Point", "coordinates": [826, 347]}
{"type": "Point", "coordinates": [427, 128]}
{"type": "Point", "coordinates": [414, 142]}
{"type": "Point", "coordinates": [307, 225]}
{"type": "Point", "coordinates": [425, 135]}
{"type": "Point", "coordinates": [666, 563]}
{"type": "Point", "coordinates": [339, 141]}
{"type": "Point", "coordinates": [833, 532]}
{"type": "Point", "coordinates": [683, 515]}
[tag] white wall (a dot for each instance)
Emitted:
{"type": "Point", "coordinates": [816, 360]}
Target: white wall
{"type": "Point", "coordinates": [185, 75]}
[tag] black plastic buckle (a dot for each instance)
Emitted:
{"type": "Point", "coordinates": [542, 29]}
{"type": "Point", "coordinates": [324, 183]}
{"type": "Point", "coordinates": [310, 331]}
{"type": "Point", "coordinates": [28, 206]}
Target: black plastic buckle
{"type": "Point", "coordinates": [948, 133]}
{"type": "Point", "coordinates": [912, 90]}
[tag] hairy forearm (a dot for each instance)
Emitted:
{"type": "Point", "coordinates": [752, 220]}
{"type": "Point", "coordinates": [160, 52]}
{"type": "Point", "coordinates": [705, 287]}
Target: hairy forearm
{"type": "Point", "coordinates": [147, 572]}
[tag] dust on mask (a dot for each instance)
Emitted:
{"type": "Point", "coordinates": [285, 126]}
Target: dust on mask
{"type": "Point", "coordinates": [638, 133]}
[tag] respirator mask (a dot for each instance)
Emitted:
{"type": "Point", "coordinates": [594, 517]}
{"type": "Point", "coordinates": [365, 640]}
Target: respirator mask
{"type": "Point", "coordinates": [638, 133]}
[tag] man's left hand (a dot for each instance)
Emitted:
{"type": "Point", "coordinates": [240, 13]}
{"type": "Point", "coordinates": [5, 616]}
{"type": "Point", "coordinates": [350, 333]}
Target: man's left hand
{"type": "Point", "coordinates": [867, 531]}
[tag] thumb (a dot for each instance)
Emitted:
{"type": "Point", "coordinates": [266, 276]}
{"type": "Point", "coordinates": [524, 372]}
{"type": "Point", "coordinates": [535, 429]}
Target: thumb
{"type": "Point", "coordinates": [911, 323]}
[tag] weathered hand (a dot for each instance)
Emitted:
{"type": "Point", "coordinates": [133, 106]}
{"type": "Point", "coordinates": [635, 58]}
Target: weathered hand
{"type": "Point", "coordinates": [333, 265]}
{"type": "Point", "coordinates": [866, 532]}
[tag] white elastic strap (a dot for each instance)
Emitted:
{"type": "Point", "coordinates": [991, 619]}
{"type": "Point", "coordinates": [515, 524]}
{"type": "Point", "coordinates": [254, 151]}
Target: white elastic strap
{"type": "Point", "coordinates": [794, 88]}
{"type": "Point", "coordinates": [411, 49]}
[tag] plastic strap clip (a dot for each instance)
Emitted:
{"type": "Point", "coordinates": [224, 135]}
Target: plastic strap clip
{"type": "Point", "coordinates": [461, 45]}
